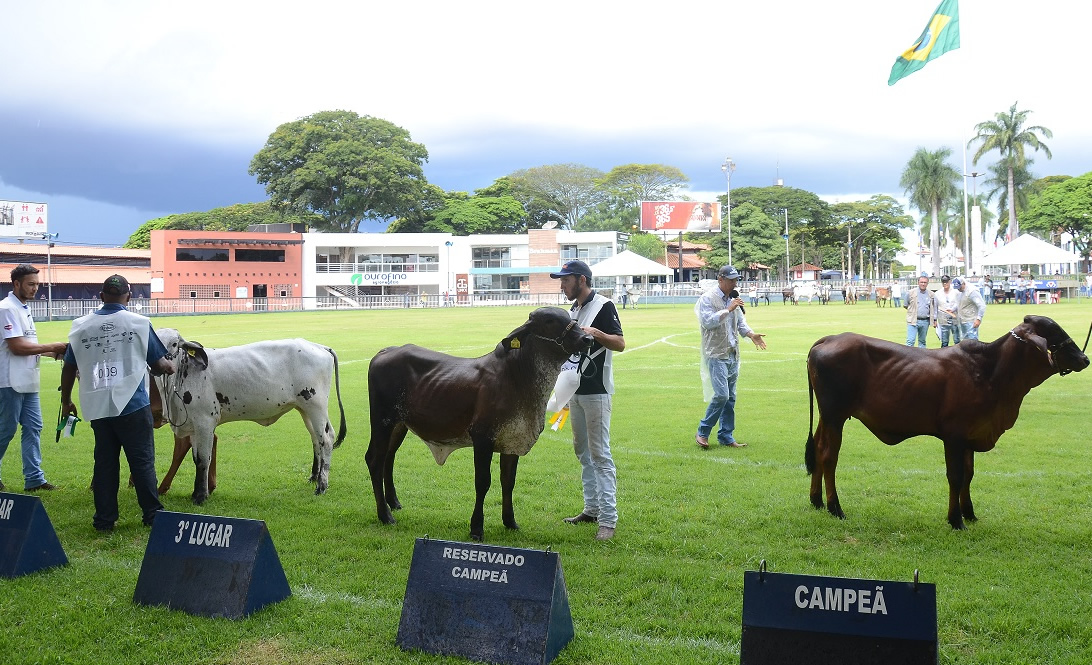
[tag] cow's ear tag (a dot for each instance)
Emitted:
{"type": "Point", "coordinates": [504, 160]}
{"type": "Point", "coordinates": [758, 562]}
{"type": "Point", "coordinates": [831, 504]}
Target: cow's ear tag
{"type": "Point", "coordinates": [191, 353]}
{"type": "Point", "coordinates": [514, 344]}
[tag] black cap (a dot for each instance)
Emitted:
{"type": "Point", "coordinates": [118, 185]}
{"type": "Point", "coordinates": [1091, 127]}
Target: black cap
{"type": "Point", "coordinates": [115, 285]}
{"type": "Point", "coordinates": [576, 267]}
{"type": "Point", "coordinates": [728, 272]}
{"type": "Point", "coordinates": [945, 279]}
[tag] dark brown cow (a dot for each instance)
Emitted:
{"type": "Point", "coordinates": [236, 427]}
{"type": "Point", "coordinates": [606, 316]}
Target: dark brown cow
{"type": "Point", "coordinates": [966, 395]}
{"type": "Point", "coordinates": [495, 403]}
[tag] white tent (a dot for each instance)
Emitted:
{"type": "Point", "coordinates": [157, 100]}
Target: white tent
{"type": "Point", "coordinates": [628, 264]}
{"type": "Point", "coordinates": [1028, 249]}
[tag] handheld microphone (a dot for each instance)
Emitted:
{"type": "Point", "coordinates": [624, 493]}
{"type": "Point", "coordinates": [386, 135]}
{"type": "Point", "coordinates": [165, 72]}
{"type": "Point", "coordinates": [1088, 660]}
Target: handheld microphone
{"type": "Point", "coordinates": [733, 294]}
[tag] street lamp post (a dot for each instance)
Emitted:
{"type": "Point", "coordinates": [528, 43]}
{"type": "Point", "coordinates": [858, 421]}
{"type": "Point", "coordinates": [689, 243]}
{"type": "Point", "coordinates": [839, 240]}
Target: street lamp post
{"type": "Point", "coordinates": [49, 238]}
{"type": "Point", "coordinates": [447, 293]}
{"type": "Point", "coordinates": [727, 167]}
{"type": "Point", "coordinates": [786, 211]}
{"type": "Point", "coordinates": [967, 263]}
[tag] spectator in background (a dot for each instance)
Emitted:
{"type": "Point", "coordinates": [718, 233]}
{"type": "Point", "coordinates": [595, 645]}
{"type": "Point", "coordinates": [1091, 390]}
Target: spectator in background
{"type": "Point", "coordinates": [921, 312]}
{"type": "Point", "coordinates": [971, 308]}
{"type": "Point", "coordinates": [947, 302]}
{"type": "Point", "coordinates": [896, 293]}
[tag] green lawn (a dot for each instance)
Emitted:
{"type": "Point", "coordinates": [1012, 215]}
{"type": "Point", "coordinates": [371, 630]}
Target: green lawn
{"type": "Point", "coordinates": [1013, 588]}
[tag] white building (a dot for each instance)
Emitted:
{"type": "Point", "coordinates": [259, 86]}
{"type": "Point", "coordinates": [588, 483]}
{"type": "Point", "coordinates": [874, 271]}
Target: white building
{"type": "Point", "coordinates": [354, 266]}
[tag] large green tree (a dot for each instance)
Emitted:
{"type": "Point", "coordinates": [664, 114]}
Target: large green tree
{"type": "Point", "coordinates": [1066, 207]}
{"type": "Point", "coordinates": [1007, 134]}
{"type": "Point", "coordinates": [647, 245]}
{"type": "Point", "coordinates": [755, 239]}
{"type": "Point", "coordinates": [810, 222]}
{"type": "Point", "coordinates": [230, 218]}
{"type": "Point", "coordinates": [478, 215]}
{"type": "Point", "coordinates": [873, 227]}
{"type": "Point", "coordinates": [345, 167]}
{"type": "Point", "coordinates": [571, 188]}
{"type": "Point", "coordinates": [930, 182]}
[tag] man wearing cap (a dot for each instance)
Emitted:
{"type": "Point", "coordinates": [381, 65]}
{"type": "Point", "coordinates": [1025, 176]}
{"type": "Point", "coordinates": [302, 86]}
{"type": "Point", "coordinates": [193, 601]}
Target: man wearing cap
{"type": "Point", "coordinates": [947, 304]}
{"type": "Point", "coordinates": [113, 348]}
{"type": "Point", "coordinates": [590, 407]}
{"type": "Point", "coordinates": [19, 379]}
{"type": "Point", "coordinates": [971, 308]}
{"type": "Point", "coordinates": [720, 315]}
{"type": "Point", "coordinates": [921, 312]}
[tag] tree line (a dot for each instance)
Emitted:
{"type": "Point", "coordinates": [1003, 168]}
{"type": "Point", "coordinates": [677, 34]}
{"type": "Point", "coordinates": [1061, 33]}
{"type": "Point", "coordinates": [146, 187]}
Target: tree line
{"type": "Point", "coordinates": [336, 170]}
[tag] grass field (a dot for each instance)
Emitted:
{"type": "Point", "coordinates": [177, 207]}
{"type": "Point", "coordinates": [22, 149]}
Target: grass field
{"type": "Point", "coordinates": [1015, 587]}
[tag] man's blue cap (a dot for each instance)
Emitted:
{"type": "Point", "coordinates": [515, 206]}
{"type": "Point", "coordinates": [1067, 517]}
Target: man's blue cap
{"type": "Point", "coordinates": [575, 267]}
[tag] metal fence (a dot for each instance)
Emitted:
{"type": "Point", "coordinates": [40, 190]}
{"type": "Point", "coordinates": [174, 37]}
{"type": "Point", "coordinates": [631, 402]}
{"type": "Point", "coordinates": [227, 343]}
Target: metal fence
{"type": "Point", "coordinates": [674, 294]}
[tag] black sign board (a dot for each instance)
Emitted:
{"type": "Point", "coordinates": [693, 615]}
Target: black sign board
{"type": "Point", "coordinates": [486, 603]}
{"type": "Point", "coordinates": [817, 620]}
{"type": "Point", "coordinates": [211, 566]}
{"type": "Point", "coordinates": [28, 542]}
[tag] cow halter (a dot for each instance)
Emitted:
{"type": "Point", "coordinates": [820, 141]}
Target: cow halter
{"type": "Point", "coordinates": [181, 360]}
{"type": "Point", "coordinates": [1050, 350]}
{"type": "Point", "coordinates": [560, 339]}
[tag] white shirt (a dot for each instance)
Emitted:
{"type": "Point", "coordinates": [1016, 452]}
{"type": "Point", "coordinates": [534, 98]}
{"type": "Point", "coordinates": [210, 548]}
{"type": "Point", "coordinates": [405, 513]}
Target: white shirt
{"type": "Point", "coordinates": [18, 372]}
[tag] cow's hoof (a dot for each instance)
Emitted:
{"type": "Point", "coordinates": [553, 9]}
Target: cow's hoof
{"type": "Point", "coordinates": [836, 510]}
{"type": "Point", "coordinates": [476, 537]}
{"type": "Point", "coordinates": [320, 491]}
{"type": "Point", "coordinates": [387, 519]}
{"type": "Point", "coordinates": [198, 499]}
{"type": "Point", "coordinates": [511, 525]}
{"type": "Point", "coordinates": [394, 504]}
{"type": "Point", "coordinates": [817, 501]}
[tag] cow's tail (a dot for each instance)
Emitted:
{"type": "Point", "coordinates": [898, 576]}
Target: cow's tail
{"type": "Point", "coordinates": [809, 447]}
{"type": "Point", "coordinates": [337, 384]}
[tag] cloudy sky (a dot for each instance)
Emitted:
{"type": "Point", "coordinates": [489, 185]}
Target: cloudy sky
{"type": "Point", "coordinates": [115, 112]}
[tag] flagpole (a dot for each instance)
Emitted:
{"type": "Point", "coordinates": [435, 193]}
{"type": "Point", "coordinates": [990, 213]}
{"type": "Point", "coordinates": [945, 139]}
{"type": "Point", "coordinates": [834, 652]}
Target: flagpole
{"type": "Point", "coordinates": [966, 218]}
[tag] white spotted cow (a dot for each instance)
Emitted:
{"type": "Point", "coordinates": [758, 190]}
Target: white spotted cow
{"type": "Point", "coordinates": [258, 382]}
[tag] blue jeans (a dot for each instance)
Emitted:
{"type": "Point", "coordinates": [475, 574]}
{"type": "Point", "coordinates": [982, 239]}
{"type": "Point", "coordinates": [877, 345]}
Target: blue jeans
{"type": "Point", "coordinates": [723, 372]}
{"type": "Point", "coordinates": [23, 409]}
{"type": "Point", "coordinates": [919, 331]}
{"type": "Point", "coordinates": [950, 329]}
{"type": "Point", "coordinates": [969, 331]}
{"type": "Point", "coordinates": [590, 416]}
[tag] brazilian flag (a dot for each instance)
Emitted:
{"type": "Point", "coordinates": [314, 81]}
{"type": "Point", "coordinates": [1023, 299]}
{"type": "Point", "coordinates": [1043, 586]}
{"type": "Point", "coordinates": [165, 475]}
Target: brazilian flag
{"type": "Point", "coordinates": [939, 37]}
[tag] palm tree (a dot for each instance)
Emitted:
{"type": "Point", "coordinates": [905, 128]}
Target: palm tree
{"type": "Point", "coordinates": [930, 182]}
{"type": "Point", "coordinates": [1007, 134]}
{"type": "Point", "coordinates": [998, 185]}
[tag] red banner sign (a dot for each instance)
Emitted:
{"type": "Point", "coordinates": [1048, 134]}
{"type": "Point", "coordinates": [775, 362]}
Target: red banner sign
{"type": "Point", "coordinates": [680, 216]}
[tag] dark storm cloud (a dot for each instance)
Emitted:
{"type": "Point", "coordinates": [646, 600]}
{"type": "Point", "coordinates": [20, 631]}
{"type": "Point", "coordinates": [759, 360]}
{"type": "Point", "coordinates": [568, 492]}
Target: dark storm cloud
{"type": "Point", "coordinates": [143, 169]}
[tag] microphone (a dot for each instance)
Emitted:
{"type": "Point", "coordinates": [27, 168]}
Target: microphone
{"type": "Point", "coordinates": [733, 294]}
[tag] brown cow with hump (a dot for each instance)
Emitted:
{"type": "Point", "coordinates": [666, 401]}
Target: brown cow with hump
{"type": "Point", "coordinates": [966, 395]}
{"type": "Point", "coordinates": [495, 403]}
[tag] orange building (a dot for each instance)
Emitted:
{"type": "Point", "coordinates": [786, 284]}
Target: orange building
{"type": "Point", "coordinates": [69, 271]}
{"type": "Point", "coordinates": [226, 264]}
